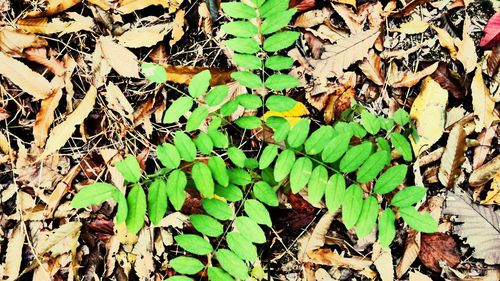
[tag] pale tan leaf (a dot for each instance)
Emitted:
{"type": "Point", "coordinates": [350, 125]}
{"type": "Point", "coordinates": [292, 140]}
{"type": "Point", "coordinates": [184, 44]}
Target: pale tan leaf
{"type": "Point", "coordinates": [466, 48]}
{"type": "Point", "coordinates": [13, 42]}
{"type": "Point", "coordinates": [344, 52]}
{"type": "Point", "coordinates": [349, 2]}
{"type": "Point", "coordinates": [61, 190]}
{"type": "Point", "coordinates": [482, 102]}
{"type": "Point", "coordinates": [144, 265]}
{"type": "Point", "coordinates": [352, 20]}
{"type": "Point", "coordinates": [331, 34]}
{"type": "Point", "coordinates": [486, 172]}
{"type": "Point", "coordinates": [45, 117]}
{"type": "Point", "coordinates": [493, 195]}
{"type": "Point", "coordinates": [371, 67]}
{"type": "Point", "coordinates": [103, 4]}
{"type": "Point", "coordinates": [446, 41]}
{"type": "Point", "coordinates": [312, 18]}
{"type": "Point", "coordinates": [410, 79]}
{"type": "Point", "coordinates": [482, 150]}
{"type": "Point", "coordinates": [53, 7]}
{"type": "Point", "coordinates": [118, 102]}
{"type": "Point", "coordinates": [143, 36]}
{"type": "Point", "coordinates": [315, 239]}
{"type": "Point", "coordinates": [178, 27]}
{"type": "Point", "coordinates": [453, 156]}
{"type": "Point", "coordinates": [418, 276]}
{"type": "Point", "coordinates": [14, 254]}
{"type": "Point", "coordinates": [412, 27]}
{"type": "Point", "coordinates": [100, 68]}
{"type": "Point", "coordinates": [56, 236]}
{"type": "Point", "coordinates": [62, 132]}
{"type": "Point", "coordinates": [39, 55]}
{"type": "Point", "coordinates": [79, 23]}
{"type": "Point", "coordinates": [129, 6]}
{"type": "Point", "coordinates": [29, 81]}
{"type": "Point", "coordinates": [478, 224]}
{"type": "Point", "coordinates": [412, 248]}
{"type": "Point", "coordinates": [428, 111]}
{"type": "Point", "coordinates": [123, 61]}
{"type": "Point", "coordinates": [383, 264]}
{"type": "Point", "coordinates": [41, 25]}
{"type": "Point", "coordinates": [330, 258]}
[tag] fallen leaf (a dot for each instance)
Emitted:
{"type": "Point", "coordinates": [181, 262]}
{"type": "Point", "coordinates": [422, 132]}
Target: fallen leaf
{"type": "Point", "coordinates": [446, 41]}
{"type": "Point", "coordinates": [41, 25]}
{"type": "Point", "coordinates": [491, 31]}
{"type": "Point", "coordinates": [383, 264]}
{"type": "Point", "coordinates": [412, 27]}
{"type": "Point", "coordinates": [123, 61]}
{"type": "Point", "coordinates": [302, 5]}
{"type": "Point", "coordinates": [428, 111]}
{"type": "Point", "coordinates": [411, 250]}
{"type": "Point", "coordinates": [478, 224]}
{"type": "Point", "coordinates": [129, 6]}
{"type": "Point", "coordinates": [482, 102]}
{"type": "Point", "coordinates": [61, 189]}
{"type": "Point", "coordinates": [352, 20]}
{"type": "Point", "coordinates": [371, 67]}
{"type": "Point", "coordinates": [408, 9]}
{"type": "Point", "coordinates": [485, 173]}
{"type": "Point", "coordinates": [183, 74]}
{"type": "Point", "coordinates": [144, 265]}
{"type": "Point", "coordinates": [39, 55]}
{"type": "Point", "coordinates": [100, 68]}
{"type": "Point", "coordinates": [444, 77]}
{"type": "Point", "coordinates": [53, 7]}
{"type": "Point", "coordinates": [481, 151]}
{"type": "Point", "coordinates": [493, 195]}
{"type": "Point", "coordinates": [410, 79]}
{"type": "Point", "coordinates": [439, 248]}
{"type": "Point", "coordinates": [13, 42]}
{"type": "Point", "coordinates": [419, 276]}
{"type": "Point", "coordinates": [493, 61]}
{"type": "Point", "coordinates": [143, 36]}
{"type": "Point", "coordinates": [178, 27]}
{"type": "Point", "coordinates": [453, 156]}
{"type": "Point", "coordinates": [312, 18]}
{"type": "Point", "coordinates": [348, 2]}
{"type": "Point", "coordinates": [466, 48]}
{"type": "Point", "coordinates": [330, 258]}
{"type": "Point", "coordinates": [103, 4]}
{"type": "Point", "coordinates": [29, 81]}
{"type": "Point", "coordinates": [45, 117]}
{"type": "Point", "coordinates": [118, 102]}
{"type": "Point", "coordinates": [56, 236]}
{"type": "Point", "coordinates": [63, 131]}
{"type": "Point", "coordinates": [14, 254]}
{"type": "Point", "coordinates": [78, 23]}
{"type": "Point", "coordinates": [293, 115]}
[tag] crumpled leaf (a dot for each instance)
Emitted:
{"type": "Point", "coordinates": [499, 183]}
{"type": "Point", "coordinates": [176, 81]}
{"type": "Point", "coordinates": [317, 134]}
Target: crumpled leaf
{"type": "Point", "coordinates": [485, 173]}
{"type": "Point", "coordinates": [123, 61]}
{"type": "Point", "coordinates": [436, 248]}
{"type": "Point", "coordinates": [13, 42]}
{"type": "Point", "coordinates": [29, 81]}
{"type": "Point", "coordinates": [478, 224]}
{"type": "Point", "coordinates": [143, 36]}
{"type": "Point", "coordinates": [482, 102]}
{"type": "Point", "coordinates": [53, 7]}
{"type": "Point", "coordinates": [492, 32]}
{"type": "Point", "coordinates": [453, 156]}
{"type": "Point", "coordinates": [410, 79]}
{"type": "Point", "coordinates": [428, 111]}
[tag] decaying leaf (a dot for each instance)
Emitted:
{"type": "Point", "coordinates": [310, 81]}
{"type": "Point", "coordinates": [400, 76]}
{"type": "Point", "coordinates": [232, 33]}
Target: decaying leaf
{"type": "Point", "coordinates": [143, 36]}
{"type": "Point", "coordinates": [53, 7]}
{"type": "Point", "coordinates": [330, 258]}
{"type": "Point", "coordinates": [408, 9]}
{"type": "Point", "coordinates": [39, 55]}
{"type": "Point", "coordinates": [29, 81]}
{"type": "Point", "coordinates": [410, 79]}
{"type": "Point", "coordinates": [478, 224]}
{"type": "Point", "coordinates": [14, 254]}
{"type": "Point", "coordinates": [428, 111]}
{"type": "Point", "coordinates": [453, 156]}
{"type": "Point", "coordinates": [352, 20]}
{"type": "Point", "coordinates": [56, 236]}
{"type": "Point", "coordinates": [118, 102]}
{"type": "Point", "coordinates": [312, 18]}
{"type": "Point", "coordinates": [62, 132]}
{"type": "Point", "coordinates": [466, 48]}
{"type": "Point", "coordinates": [371, 67]}
{"type": "Point", "coordinates": [13, 42]}
{"type": "Point", "coordinates": [493, 61]}
{"type": "Point", "coordinates": [486, 172]}
{"type": "Point", "coordinates": [383, 263]}
{"type": "Point", "coordinates": [119, 58]}
{"type": "Point", "coordinates": [482, 102]}
{"type": "Point", "coordinates": [419, 276]}
{"type": "Point", "coordinates": [45, 117]}
{"type": "Point", "coordinates": [437, 248]}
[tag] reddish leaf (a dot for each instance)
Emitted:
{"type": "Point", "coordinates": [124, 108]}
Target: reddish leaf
{"type": "Point", "coordinates": [491, 32]}
{"type": "Point", "coordinates": [438, 247]}
{"type": "Point", "coordinates": [443, 76]}
{"type": "Point", "coordinates": [303, 5]}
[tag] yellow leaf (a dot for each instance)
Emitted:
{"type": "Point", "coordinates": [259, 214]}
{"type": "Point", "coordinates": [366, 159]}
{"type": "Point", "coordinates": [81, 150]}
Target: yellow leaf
{"type": "Point", "coordinates": [482, 102]}
{"type": "Point", "coordinates": [493, 195]}
{"type": "Point", "coordinates": [177, 31]}
{"type": "Point", "coordinates": [143, 36]}
{"type": "Point", "coordinates": [62, 132]}
{"type": "Point", "coordinates": [428, 111]}
{"type": "Point", "coordinates": [13, 42]}
{"type": "Point", "coordinates": [466, 48]}
{"type": "Point", "coordinates": [53, 7]}
{"type": "Point", "coordinates": [29, 81]}
{"type": "Point", "coordinates": [41, 25]}
{"type": "Point", "coordinates": [485, 173]}
{"type": "Point", "coordinates": [123, 61]}
{"type": "Point", "coordinates": [412, 27]}
{"type": "Point", "coordinates": [129, 6]}
{"type": "Point", "coordinates": [293, 115]}
{"type": "Point", "coordinates": [446, 41]}
{"type": "Point", "coordinates": [14, 254]}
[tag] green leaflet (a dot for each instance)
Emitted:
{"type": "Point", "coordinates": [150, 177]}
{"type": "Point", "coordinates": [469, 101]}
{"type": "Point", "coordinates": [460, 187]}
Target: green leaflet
{"type": "Point", "coordinates": [408, 196]}
{"type": "Point", "coordinates": [373, 165]}
{"type": "Point", "coordinates": [229, 108]}
{"type": "Point", "coordinates": [231, 193]}
{"type": "Point", "coordinates": [203, 180]}
{"type": "Point", "coordinates": [335, 192]}
{"type": "Point", "coordinates": [352, 204]}
{"type": "Point", "coordinates": [284, 165]}
{"type": "Point", "coordinates": [280, 41]}
{"type": "Point", "coordinates": [280, 103]}
{"type": "Point", "coordinates": [279, 63]}
{"type": "Point", "coordinates": [271, 7]}
{"type": "Point", "coordinates": [241, 246]}
{"type": "Point", "coordinates": [199, 84]}
{"type": "Point", "coordinates": [385, 123]}
{"type": "Point", "coordinates": [368, 217]}
{"type": "Point", "coordinates": [207, 225]}
{"type": "Point", "coordinates": [196, 118]}
{"type": "Point", "coordinates": [122, 212]}
{"type": "Point", "coordinates": [370, 122]}
{"type": "Point", "coordinates": [267, 156]}
{"type": "Point", "coordinates": [249, 101]}
{"type": "Point", "coordinates": [219, 139]}
{"type": "Point", "coordinates": [386, 228]}
{"type": "Point", "coordinates": [177, 109]}
{"type": "Point", "coordinates": [258, 3]}
{"type": "Point", "coordinates": [336, 148]}
{"type": "Point", "coordinates": [343, 128]}
{"type": "Point", "coordinates": [218, 169]}
{"type": "Point", "coordinates": [250, 229]}
{"type": "Point", "coordinates": [248, 122]}
{"type": "Point", "coordinates": [129, 168]}
{"type": "Point", "coordinates": [280, 82]}
{"type": "Point", "coordinates": [257, 212]}
{"type": "Point", "coordinates": [185, 146]}
{"type": "Point", "coordinates": [238, 10]}
{"type": "Point", "coordinates": [186, 265]}
{"type": "Point", "coordinates": [420, 222]}
{"type": "Point", "coordinates": [401, 117]}
{"type": "Point", "coordinates": [136, 204]}
{"type": "Point", "coordinates": [194, 244]}
{"type": "Point", "coordinates": [247, 61]}
{"type": "Point", "coordinates": [237, 156]}
{"type": "Point", "coordinates": [157, 200]}
{"type": "Point", "coordinates": [357, 130]}
{"type": "Point", "coordinates": [402, 145]}
{"type": "Point", "coordinates": [300, 174]}
{"type": "Point", "coordinates": [240, 29]}
{"type": "Point", "coordinates": [265, 193]}
{"type": "Point", "coordinates": [231, 263]}
{"type": "Point", "coordinates": [243, 45]}
{"type": "Point", "coordinates": [277, 21]}
{"type": "Point", "coordinates": [390, 179]}
{"type": "Point", "coordinates": [215, 273]}
{"type": "Point", "coordinates": [355, 156]}
{"type": "Point", "coordinates": [168, 155]}
{"type": "Point", "coordinates": [94, 194]}
{"type": "Point", "coordinates": [154, 72]}
{"type": "Point", "coordinates": [383, 144]}
{"type": "Point", "coordinates": [282, 131]}
{"type": "Point", "coordinates": [175, 188]}
{"type": "Point", "coordinates": [247, 79]}
{"type": "Point", "coordinates": [318, 140]}
{"type": "Point", "coordinates": [217, 208]}
{"type": "Point", "coordinates": [217, 95]}
{"type": "Point", "coordinates": [251, 163]}
{"type": "Point", "coordinates": [178, 278]}
{"type": "Point", "coordinates": [204, 143]}
{"type": "Point", "coordinates": [239, 177]}
{"type": "Point", "coordinates": [317, 184]}
{"type": "Point", "coordinates": [298, 134]}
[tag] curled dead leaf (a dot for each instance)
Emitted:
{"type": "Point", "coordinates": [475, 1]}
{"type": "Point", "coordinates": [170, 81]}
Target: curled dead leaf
{"type": "Point", "coordinates": [493, 61]}
{"type": "Point", "coordinates": [45, 117]}
{"type": "Point", "coordinates": [453, 156]}
{"type": "Point", "coordinates": [482, 150]}
{"type": "Point", "coordinates": [448, 81]}
{"type": "Point", "coordinates": [312, 18]}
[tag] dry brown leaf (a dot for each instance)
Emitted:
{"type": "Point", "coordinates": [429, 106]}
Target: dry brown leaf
{"type": "Point", "coordinates": [412, 27]}
{"type": "Point", "coordinates": [53, 7]}
{"type": "Point", "coordinates": [129, 6]}
{"type": "Point", "coordinates": [439, 248]}
{"type": "Point", "coordinates": [371, 67]}
{"type": "Point", "coordinates": [482, 102]}
{"type": "Point", "coordinates": [143, 36]}
{"type": "Point", "coordinates": [344, 52]}
{"type": "Point", "coordinates": [493, 61]}
{"type": "Point", "coordinates": [349, 2]}
{"type": "Point", "coordinates": [448, 81]}
{"type": "Point", "coordinates": [312, 18]}
{"type": "Point", "coordinates": [353, 21]}
{"type": "Point", "coordinates": [144, 265]}
{"type": "Point", "coordinates": [178, 27]}
{"type": "Point", "coordinates": [183, 74]}
{"type": "Point", "coordinates": [482, 150]}
{"type": "Point", "coordinates": [118, 102]}
{"type": "Point", "coordinates": [13, 42]}
{"type": "Point", "coordinates": [45, 117]}
{"type": "Point", "coordinates": [123, 61]}
{"type": "Point", "coordinates": [453, 156]}
{"type": "Point", "coordinates": [466, 48]}
{"type": "Point", "coordinates": [493, 195]}
{"type": "Point", "coordinates": [61, 189]}
{"type": "Point", "coordinates": [412, 248]}
{"type": "Point", "coordinates": [446, 41]}
{"type": "Point", "coordinates": [428, 111]}
{"type": "Point", "coordinates": [486, 172]}
{"type": "Point", "coordinates": [325, 32]}
{"type": "Point", "coordinates": [330, 258]}
{"type": "Point", "coordinates": [63, 131]}
{"type": "Point", "coordinates": [316, 239]}
{"type": "Point", "coordinates": [410, 79]}
{"type": "Point", "coordinates": [41, 25]}
{"type": "Point", "coordinates": [39, 55]}
{"type": "Point", "coordinates": [29, 81]}
{"type": "Point", "coordinates": [14, 254]}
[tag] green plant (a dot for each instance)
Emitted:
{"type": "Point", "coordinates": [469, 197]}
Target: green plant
{"type": "Point", "coordinates": [337, 163]}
